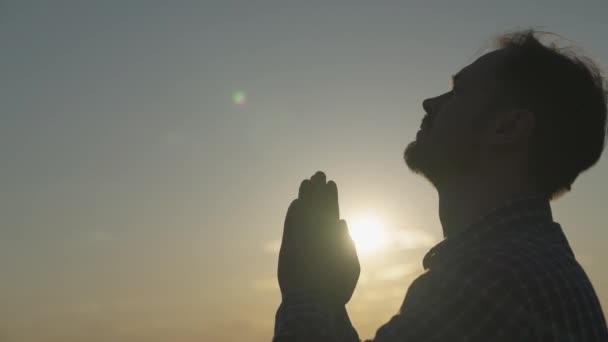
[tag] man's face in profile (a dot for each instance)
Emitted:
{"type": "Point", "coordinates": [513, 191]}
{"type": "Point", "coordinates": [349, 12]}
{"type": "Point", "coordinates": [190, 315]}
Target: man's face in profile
{"type": "Point", "coordinates": [449, 141]}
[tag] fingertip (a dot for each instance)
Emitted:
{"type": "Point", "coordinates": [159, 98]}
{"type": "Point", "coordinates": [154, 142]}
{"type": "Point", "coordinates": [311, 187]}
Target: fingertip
{"type": "Point", "coordinates": [292, 208]}
{"type": "Point", "coordinates": [293, 203]}
{"type": "Point", "coordinates": [304, 188]}
{"type": "Point", "coordinates": [332, 185]}
{"type": "Point", "coordinates": [319, 177]}
{"type": "Point", "coordinates": [332, 189]}
{"type": "Point", "coordinates": [291, 218]}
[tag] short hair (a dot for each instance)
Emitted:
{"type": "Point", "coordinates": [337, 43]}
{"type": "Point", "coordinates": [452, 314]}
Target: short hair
{"type": "Point", "coordinates": [567, 94]}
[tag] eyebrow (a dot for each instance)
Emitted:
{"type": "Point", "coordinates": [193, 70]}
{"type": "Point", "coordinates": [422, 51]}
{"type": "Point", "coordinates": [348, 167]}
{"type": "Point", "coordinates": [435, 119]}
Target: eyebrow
{"type": "Point", "coordinates": [456, 77]}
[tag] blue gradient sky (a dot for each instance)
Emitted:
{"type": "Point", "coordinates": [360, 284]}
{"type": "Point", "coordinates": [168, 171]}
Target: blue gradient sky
{"type": "Point", "coordinates": [140, 203]}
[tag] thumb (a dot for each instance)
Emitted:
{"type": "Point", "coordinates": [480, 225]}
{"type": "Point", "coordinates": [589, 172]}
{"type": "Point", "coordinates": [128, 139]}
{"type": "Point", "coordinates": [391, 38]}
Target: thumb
{"type": "Point", "coordinates": [344, 233]}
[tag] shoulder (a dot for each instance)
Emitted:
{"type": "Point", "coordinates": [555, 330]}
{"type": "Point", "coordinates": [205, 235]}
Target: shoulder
{"type": "Point", "coordinates": [539, 268]}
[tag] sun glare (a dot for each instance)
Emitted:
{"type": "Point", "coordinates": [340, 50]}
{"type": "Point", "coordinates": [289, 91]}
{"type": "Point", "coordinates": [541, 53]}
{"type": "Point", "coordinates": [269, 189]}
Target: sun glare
{"type": "Point", "coordinates": [368, 232]}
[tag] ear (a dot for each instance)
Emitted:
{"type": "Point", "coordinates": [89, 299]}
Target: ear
{"type": "Point", "coordinates": [511, 127]}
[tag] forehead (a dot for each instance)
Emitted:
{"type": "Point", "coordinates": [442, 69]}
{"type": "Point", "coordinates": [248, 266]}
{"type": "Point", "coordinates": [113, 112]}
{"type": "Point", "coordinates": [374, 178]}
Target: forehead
{"type": "Point", "coordinates": [485, 67]}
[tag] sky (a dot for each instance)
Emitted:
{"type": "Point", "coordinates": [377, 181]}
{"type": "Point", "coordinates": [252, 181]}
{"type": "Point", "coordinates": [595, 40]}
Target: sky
{"type": "Point", "coordinates": [150, 150]}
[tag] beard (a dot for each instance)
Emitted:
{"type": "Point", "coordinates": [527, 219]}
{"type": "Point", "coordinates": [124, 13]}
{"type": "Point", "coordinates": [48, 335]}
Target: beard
{"type": "Point", "coordinates": [420, 158]}
{"type": "Point", "coordinates": [414, 158]}
{"type": "Point", "coordinates": [418, 161]}
{"type": "Point", "coordinates": [439, 167]}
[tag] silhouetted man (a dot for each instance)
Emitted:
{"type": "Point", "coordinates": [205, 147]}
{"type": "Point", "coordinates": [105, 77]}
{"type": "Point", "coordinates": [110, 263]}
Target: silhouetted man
{"type": "Point", "coordinates": [520, 124]}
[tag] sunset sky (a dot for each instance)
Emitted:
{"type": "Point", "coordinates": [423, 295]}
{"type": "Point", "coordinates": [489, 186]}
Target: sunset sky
{"type": "Point", "coordinates": [150, 150]}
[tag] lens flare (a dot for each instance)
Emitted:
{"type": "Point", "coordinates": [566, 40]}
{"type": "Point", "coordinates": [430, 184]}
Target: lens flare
{"type": "Point", "coordinates": [239, 98]}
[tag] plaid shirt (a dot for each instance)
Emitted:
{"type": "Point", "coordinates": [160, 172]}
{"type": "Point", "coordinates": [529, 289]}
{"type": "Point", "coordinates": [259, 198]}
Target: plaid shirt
{"type": "Point", "coordinates": [511, 276]}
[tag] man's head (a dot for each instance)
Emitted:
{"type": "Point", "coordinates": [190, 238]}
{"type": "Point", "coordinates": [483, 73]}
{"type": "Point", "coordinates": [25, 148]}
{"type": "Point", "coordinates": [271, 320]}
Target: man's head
{"type": "Point", "coordinates": [525, 111]}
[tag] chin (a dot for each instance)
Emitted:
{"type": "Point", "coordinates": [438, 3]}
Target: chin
{"type": "Point", "coordinates": [417, 160]}
{"type": "Point", "coordinates": [413, 157]}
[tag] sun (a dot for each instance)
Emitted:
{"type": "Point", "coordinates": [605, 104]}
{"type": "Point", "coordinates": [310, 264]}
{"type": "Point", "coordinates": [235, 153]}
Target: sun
{"type": "Point", "coordinates": [368, 232]}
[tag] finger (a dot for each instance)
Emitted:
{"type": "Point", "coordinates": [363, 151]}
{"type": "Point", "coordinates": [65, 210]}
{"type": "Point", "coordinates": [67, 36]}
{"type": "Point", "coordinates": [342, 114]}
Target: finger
{"type": "Point", "coordinates": [343, 231]}
{"type": "Point", "coordinates": [305, 196]}
{"type": "Point", "coordinates": [318, 178]}
{"type": "Point", "coordinates": [331, 194]}
{"type": "Point", "coordinates": [317, 182]}
{"type": "Point", "coordinates": [292, 211]}
{"type": "Point", "coordinates": [345, 234]}
{"type": "Point", "coordinates": [317, 185]}
{"type": "Point", "coordinates": [343, 228]}
{"type": "Point", "coordinates": [304, 191]}
{"type": "Point", "coordinates": [291, 219]}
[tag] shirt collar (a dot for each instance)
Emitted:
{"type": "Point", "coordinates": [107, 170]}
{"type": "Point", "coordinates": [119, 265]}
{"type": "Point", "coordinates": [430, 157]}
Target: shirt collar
{"type": "Point", "coordinates": [527, 210]}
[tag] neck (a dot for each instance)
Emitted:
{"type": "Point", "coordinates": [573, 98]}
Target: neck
{"type": "Point", "coordinates": [460, 206]}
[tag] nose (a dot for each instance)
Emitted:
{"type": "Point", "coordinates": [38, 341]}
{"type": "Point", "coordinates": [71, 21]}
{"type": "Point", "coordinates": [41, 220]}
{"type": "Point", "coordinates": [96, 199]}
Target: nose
{"type": "Point", "coordinates": [429, 105]}
{"type": "Point", "coordinates": [433, 105]}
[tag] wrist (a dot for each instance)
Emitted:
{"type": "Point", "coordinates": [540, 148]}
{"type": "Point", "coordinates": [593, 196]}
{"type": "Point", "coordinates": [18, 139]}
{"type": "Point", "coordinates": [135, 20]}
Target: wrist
{"type": "Point", "coordinates": [305, 313]}
{"type": "Point", "coordinates": [317, 297]}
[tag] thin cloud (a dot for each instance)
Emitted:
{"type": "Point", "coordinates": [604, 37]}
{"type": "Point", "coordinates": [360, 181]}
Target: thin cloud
{"type": "Point", "coordinates": [381, 294]}
{"type": "Point", "coordinates": [396, 272]}
{"type": "Point", "coordinates": [412, 239]}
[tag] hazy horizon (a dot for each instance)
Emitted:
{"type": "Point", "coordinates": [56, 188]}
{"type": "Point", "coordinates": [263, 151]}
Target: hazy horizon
{"type": "Point", "coordinates": [150, 150]}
